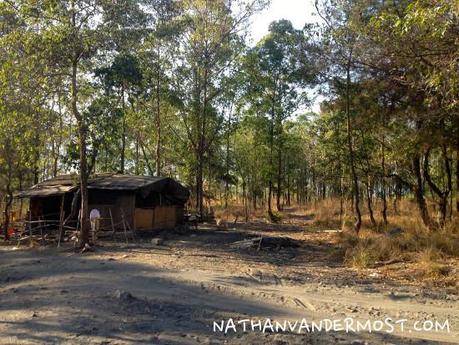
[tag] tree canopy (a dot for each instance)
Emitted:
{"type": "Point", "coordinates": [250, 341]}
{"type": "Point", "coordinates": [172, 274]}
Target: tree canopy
{"type": "Point", "coordinates": [161, 87]}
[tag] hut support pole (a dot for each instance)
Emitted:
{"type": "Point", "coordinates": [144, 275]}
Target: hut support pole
{"type": "Point", "coordinates": [30, 230]}
{"type": "Point", "coordinates": [129, 228]}
{"type": "Point", "coordinates": [124, 225]}
{"type": "Point", "coordinates": [41, 231]}
{"type": "Point", "coordinates": [61, 222]}
{"type": "Point", "coordinates": [111, 221]}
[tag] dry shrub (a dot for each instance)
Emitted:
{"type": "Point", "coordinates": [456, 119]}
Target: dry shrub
{"type": "Point", "coordinates": [237, 212]}
{"type": "Point", "coordinates": [429, 263]}
{"type": "Point", "coordinates": [229, 214]}
{"type": "Point", "coordinates": [326, 212]}
{"type": "Point", "coordinates": [370, 247]}
{"type": "Point", "coordinates": [453, 225]}
{"type": "Point", "coordinates": [359, 257]}
{"type": "Point", "coordinates": [414, 243]}
{"type": "Point", "coordinates": [275, 217]}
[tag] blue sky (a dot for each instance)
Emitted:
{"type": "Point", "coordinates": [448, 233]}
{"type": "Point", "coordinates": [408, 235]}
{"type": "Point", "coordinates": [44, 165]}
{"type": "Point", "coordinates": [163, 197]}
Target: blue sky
{"type": "Point", "coordinates": [298, 12]}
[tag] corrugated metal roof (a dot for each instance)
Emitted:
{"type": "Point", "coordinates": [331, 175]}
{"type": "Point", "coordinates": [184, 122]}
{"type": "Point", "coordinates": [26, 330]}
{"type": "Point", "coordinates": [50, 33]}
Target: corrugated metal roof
{"type": "Point", "coordinates": [67, 183]}
{"type": "Point", "coordinates": [46, 191]}
{"type": "Point", "coordinates": [122, 182]}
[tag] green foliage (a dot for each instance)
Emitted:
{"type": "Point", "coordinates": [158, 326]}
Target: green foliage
{"type": "Point", "coordinates": [173, 89]}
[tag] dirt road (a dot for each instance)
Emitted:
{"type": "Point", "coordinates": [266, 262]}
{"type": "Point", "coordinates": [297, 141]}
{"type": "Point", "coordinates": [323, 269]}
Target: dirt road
{"type": "Point", "coordinates": [171, 294]}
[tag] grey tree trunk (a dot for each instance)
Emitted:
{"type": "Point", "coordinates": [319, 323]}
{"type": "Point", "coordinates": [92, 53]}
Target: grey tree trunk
{"type": "Point", "coordinates": [355, 181]}
{"type": "Point", "coordinates": [82, 133]}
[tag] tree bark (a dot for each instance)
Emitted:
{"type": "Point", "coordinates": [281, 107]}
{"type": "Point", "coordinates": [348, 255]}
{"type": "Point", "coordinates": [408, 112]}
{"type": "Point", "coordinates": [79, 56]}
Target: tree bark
{"type": "Point", "coordinates": [227, 159]}
{"type": "Point", "coordinates": [288, 190]}
{"type": "Point", "coordinates": [8, 201]}
{"type": "Point", "coordinates": [199, 185]}
{"type": "Point", "coordinates": [418, 189]}
{"type": "Point", "coordinates": [355, 180]}
{"type": "Point", "coordinates": [202, 125]}
{"type": "Point", "coordinates": [123, 134]}
{"type": "Point", "coordinates": [36, 158]}
{"type": "Point", "coordinates": [457, 180]}
{"type": "Point", "coordinates": [158, 118]}
{"type": "Point", "coordinates": [279, 180]}
{"type": "Point", "coordinates": [84, 212]}
{"type": "Point", "coordinates": [245, 201]}
{"type": "Point", "coordinates": [442, 195]}
{"type": "Point", "coordinates": [369, 203]}
{"type": "Point", "coordinates": [383, 168]}
{"type": "Point", "coordinates": [59, 143]}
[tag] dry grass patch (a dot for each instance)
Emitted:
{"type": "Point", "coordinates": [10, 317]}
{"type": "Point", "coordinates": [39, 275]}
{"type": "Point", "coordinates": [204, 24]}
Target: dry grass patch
{"type": "Point", "coordinates": [429, 261]}
{"type": "Point", "coordinates": [326, 213]}
{"type": "Point", "coordinates": [433, 255]}
{"type": "Point", "coordinates": [236, 213]}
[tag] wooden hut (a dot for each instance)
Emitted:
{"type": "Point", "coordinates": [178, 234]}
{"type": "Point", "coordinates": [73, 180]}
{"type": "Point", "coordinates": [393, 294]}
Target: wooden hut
{"type": "Point", "coordinates": [144, 202]}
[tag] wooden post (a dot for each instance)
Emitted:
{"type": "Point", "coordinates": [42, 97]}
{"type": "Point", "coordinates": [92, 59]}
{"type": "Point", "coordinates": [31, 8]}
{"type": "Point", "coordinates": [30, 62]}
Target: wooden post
{"type": "Point", "coordinates": [41, 230]}
{"type": "Point", "coordinates": [129, 227]}
{"type": "Point", "coordinates": [111, 221]}
{"type": "Point", "coordinates": [124, 225]}
{"type": "Point", "coordinates": [78, 223]}
{"type": "Point", "coordinates": [78, 220]}
{"type": "Point", "coordinates": [30, 230]}
{"type": "Point", "coordinates": [61, 222]}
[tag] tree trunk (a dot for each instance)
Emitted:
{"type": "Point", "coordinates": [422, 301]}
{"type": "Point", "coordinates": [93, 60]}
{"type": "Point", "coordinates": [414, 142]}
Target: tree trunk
{"type": "Point", "coordinates": [199, 186]}
{"type": "Point", "coordinates": [288, 190]}
{"type": "Point", "coordinates": [123, 134]}
{"type": "Point", "coordinates": [449, 180]}
{"type": "Point", "coordinates": [270, 190]}
{"type": "Point", "coordinates": [158, 120]}
{"type": "Point", "coordinates": [341, 203]}
{"type": "Point", "coordinates": [369, 203]}
{"type": "Point", "coordinates": [419, 192]}
{"type": "Point", "coordinates": [383, 168]}
{"type": "Point", "coordinates": [457, 180]}
{"type": "Point", "coordinates": [84, 212]}
{"type": "Point", "coordinates": [271, 146]}
{"type": "Point", "coordinates": [8, 202]}
{"type": "Point", "coordinates": [397, 195]}
{"type": "Point", "coordinates": [442, 195]}
{"type": "Point", "coordinates": [227, 159]}
{"type": "Point", "coordinates": [36, 158]}
{"type": "Point", "coordinates": [355, 180]}
{"type": "Point", "coordinates": [59, 142]}
{"type": "Point", "coordinates": [137, 156]}
{"type": "Point", "coordinates": [201, 146]}
{"type": "Point", "coordinates": [245, 201]}
{"type": "Point", "coordinates": [279, 181]}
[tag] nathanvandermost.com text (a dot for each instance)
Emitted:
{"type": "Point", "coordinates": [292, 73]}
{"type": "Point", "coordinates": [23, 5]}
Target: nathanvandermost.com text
{"type": "Point", "coordinates": [348, 325]}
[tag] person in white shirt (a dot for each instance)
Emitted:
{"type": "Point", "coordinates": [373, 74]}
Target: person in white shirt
{"type": "Point", "coordinates": [94, 217]}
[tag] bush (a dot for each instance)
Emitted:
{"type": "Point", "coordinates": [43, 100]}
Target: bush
{"type": "Point", "coordinates": [426, 248]}
{"type": "Point", "coordinates": [359, 257]}
{"type": "Point", "coordinates": [428, 261]}
{"type": "Point", "coordinates": [275, 217]}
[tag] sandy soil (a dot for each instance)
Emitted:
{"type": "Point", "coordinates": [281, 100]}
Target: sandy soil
{"type": "Point", "coordinates": [141, 293]}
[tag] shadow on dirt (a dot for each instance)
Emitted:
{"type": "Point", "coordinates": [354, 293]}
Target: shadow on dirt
{"type": "Point", "coordinates": [51, 297]}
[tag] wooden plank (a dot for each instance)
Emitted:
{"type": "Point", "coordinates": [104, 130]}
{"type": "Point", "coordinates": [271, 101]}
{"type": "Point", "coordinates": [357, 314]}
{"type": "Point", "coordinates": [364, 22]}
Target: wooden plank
{"type": "Point", "coordinates": [144, 218]}
{"type": "Point", "coordinates": [165, 217]}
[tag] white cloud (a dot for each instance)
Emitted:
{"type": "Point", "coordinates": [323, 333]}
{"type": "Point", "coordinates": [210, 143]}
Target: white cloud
{"type": "Point", "coordinates": [298, 12]}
